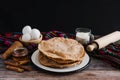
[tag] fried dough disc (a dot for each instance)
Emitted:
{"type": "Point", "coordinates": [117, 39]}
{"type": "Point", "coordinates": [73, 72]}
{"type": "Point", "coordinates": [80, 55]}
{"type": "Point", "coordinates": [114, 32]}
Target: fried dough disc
{"type": "Point", "coordinates": [62, 49]}
{"type": "Point", "coordinates": [66, 61]}
{"type": "Point", "coordinates": [44, 60]}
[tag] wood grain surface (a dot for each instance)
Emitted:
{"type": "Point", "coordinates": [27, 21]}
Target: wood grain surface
{"type": "Point", "coordinates": [97, 70]}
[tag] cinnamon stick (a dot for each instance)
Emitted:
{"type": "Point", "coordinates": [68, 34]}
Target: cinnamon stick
{"type": "Point", "coordinates": [10, 50]}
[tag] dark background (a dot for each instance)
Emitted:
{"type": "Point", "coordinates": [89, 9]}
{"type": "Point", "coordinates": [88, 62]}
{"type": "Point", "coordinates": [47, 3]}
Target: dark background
{"type": "Point", "coordinates": [102, 16]}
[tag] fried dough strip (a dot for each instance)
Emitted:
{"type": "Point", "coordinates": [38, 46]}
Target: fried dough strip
{"type": "Point", "coordinates": [13, 68]}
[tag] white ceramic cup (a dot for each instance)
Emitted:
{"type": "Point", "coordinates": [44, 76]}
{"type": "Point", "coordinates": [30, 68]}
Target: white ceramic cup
{"type": "Point", "coordinates": [83, 35]}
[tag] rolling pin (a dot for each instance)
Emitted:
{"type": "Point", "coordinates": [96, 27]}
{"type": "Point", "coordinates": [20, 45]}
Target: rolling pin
{"type": "Point", "coordinates": [103, 41]}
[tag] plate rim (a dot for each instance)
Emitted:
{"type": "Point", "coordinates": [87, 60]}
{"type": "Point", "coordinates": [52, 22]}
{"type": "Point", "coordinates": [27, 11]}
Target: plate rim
{"type": "Point", "coordinates": [64, 70]}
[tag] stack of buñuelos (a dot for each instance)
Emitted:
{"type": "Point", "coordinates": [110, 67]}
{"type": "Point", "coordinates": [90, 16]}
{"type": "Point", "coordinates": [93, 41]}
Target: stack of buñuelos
{"type": "Point", "coordinates": [60, 52]}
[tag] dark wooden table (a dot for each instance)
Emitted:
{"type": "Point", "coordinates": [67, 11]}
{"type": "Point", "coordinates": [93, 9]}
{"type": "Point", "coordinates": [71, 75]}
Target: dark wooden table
{"type": "Point", "coordinates": [97, 70]}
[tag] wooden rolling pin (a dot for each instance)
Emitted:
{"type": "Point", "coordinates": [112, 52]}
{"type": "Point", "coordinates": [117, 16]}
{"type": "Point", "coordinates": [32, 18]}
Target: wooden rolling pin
{"type": "Point", "coordinates": [103, 41]}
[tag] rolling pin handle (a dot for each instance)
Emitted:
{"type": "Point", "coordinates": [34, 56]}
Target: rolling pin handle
{"type": "Point", "coordinates": [91, 47]}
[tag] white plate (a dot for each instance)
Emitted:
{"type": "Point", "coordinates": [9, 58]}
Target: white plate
{"type": "Point", "coordinates": [81, 66]}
